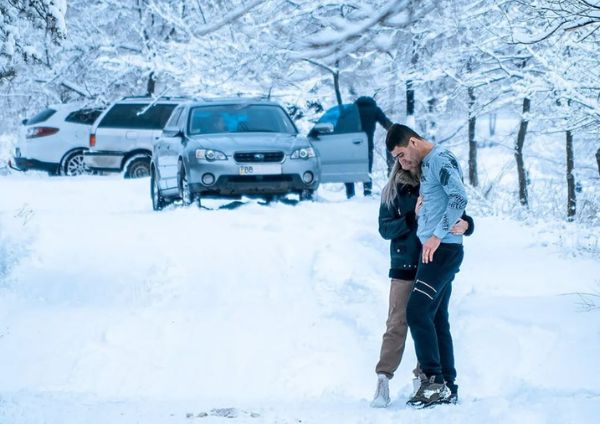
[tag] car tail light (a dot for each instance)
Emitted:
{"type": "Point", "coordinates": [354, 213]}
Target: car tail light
{"type": "Point", "coordinates": [35, 132]}
{"type": "Point", "coordinates": [92, 140]}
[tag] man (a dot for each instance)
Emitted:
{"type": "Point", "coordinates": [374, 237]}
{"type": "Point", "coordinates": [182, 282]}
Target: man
{"type": "Point", "coordinates": [369, 114]}
{"type": "Point", "coordinates": [443, 202]}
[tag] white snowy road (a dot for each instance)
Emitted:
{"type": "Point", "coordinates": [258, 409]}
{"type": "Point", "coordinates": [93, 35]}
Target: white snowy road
{"type": "Point", "coordinates": [112, 313]}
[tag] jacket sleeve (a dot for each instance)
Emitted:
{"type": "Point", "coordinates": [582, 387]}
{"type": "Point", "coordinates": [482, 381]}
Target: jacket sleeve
{"type": "Point", "coordinates": [470, 222]}
{"type": "Point", "coordinates": [393, 225]}
{"type": "Point", "coordinates": [382, 119]}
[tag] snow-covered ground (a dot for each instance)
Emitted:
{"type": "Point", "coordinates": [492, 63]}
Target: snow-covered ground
{"type": "Point", "coordinates": [112, 313]}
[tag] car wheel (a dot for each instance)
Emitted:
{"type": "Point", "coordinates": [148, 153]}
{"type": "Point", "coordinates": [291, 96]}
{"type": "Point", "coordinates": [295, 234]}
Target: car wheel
{"type": "Point", "coordinates": [158, 202]}
{"type": "Point", "coordinates": [306, 195]}
{"type": "Point", "coordinates": [138, 168]}
{"type": "Point", "coordinates": [185, 192]}
{"type": "Point", "coordinates": [74, 165]}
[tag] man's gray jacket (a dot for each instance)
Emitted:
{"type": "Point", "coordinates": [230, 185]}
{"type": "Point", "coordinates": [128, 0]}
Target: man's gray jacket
{"type": "Point", "coordinates": [444, 196]}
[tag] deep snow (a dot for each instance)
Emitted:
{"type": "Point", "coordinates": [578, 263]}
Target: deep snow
{"type": "Point", "coordinates": [112, 313]}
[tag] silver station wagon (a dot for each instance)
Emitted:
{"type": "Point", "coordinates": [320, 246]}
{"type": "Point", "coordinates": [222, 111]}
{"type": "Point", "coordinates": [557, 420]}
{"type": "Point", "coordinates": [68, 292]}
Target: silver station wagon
{"type": "Point", "coordinates": [251, 147]}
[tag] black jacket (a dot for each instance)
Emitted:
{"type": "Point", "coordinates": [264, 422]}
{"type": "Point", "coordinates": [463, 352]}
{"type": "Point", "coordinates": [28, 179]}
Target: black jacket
{"type": "Point", "coordinates": [370, 114]}
{"type": "Point", "coordinates": [398, 224]}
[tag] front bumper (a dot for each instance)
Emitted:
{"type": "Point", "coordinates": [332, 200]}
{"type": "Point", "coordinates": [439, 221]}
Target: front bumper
{"type": "Point", "coordinates": [228, 180]}
{"type": "Point", "coordinates": [254, 184]}
{"type": "Point", "coordinates": [103, 160]}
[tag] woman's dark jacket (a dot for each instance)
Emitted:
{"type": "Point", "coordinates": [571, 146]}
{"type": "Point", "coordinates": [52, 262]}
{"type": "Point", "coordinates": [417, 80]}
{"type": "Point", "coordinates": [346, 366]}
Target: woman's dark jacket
{"type": "Point", "coordinates": [398, 223]}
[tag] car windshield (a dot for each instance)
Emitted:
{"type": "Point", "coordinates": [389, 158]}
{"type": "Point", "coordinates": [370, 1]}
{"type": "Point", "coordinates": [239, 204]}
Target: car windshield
{"type": "Point", "coordinates": [239, 119]}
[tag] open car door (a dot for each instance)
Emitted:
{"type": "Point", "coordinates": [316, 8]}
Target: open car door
{"type": "Point", "coordinates": [341, 145]}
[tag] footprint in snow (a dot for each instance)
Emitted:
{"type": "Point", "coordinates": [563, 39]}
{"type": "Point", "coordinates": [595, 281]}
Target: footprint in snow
{"type": "Point", "coordinates": [224, 412]}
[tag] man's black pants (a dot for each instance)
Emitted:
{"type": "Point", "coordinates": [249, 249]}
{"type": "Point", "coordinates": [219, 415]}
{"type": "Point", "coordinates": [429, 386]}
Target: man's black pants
{"type": "Point", "coordinates": [427, 312]}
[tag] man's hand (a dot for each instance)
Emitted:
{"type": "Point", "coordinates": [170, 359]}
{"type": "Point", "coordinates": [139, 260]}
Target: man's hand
{"type": "Point", "coordinates": [418, 205]}
{"type": "Point", "coordinates": [460, 227]}
{"type": "Point", "coordinates": [429, 248]}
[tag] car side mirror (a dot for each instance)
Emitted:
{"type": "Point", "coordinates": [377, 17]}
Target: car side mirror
{"type": "Point", "coordinates": [323, 128]}
{"type": "Point", "coordinates": [173, 133]}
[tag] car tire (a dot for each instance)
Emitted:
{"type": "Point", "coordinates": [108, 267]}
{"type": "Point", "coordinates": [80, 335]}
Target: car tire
{"type": "Point", "coordinates": [158, 202]}
{"type": "Point", "coordinates": [185, 194]}
{"type": "Point", "coordinates": [307, 195]}
{"type": "Point", "coordinates": [138, 167]}
{"type": "Point", "coordinates": [74, 165]}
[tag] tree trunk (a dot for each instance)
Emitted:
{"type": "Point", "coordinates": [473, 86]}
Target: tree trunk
{"type": "Point", "coordinates": [410, 98]}
{"type": "Point", "coordinates": [410, 105]}
{"type": "Point", "coordinates": [571, 199]}
{"type": "Point", "coordinates": [394, 110]}
{"type": "Point", "coordinates": [473, 179]}
{"type": "Point", "coordinates": [598, 160]}
{"type": "Point", "coordinates": [431, 125]}
{"type": "Point", "coordinates": [492, 124]}
{"type": "Point", "coordinates": [336, 86]}
{"type": "Point", "coordinates": [336, 83]}
{"type": "Point", "coordinates": [150, 88]}
{"type": "Point", "coordinates": [410, 91]}
{"type": "Point", "coordinates": [523, 198]}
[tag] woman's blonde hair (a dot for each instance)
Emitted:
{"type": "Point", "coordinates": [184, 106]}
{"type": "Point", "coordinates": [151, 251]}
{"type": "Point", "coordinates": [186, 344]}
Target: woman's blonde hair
{"type": "Point", "coordinates": [398, 177]}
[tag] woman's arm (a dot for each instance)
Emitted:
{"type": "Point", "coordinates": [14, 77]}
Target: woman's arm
{"type": "Point", "coordinates": [393, 224]}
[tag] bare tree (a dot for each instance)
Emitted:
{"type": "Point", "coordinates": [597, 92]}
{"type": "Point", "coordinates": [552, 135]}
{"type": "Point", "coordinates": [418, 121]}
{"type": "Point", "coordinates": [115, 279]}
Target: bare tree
{"type": "Point", "coordinates": [523, 197]}
{"type": "Point", "coordinates": [571, 197]}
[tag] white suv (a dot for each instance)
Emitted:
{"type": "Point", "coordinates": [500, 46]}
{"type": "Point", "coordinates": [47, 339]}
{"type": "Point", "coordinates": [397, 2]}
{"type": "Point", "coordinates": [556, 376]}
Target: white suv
{"type": "Point", "coordinates": [54, 140]}
{"type": "Point", "coordinates": [122, 137]}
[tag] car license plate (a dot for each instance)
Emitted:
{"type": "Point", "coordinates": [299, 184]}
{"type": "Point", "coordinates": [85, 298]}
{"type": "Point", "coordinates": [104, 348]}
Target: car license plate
{"type": "Point", "coordinates": [260, 169]}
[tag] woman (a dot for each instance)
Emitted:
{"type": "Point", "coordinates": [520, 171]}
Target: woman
{"type": "Point", "coordinates": [398, 223]}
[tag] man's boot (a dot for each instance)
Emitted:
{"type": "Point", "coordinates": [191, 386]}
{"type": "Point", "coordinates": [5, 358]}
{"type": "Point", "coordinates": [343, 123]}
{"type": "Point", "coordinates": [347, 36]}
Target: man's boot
{"type": "Point", "coordinates": [453, 399]}
{"type": "Point", "coordinates": [432, 391]}
{"type": "Point", "coordinates": [367, 188]}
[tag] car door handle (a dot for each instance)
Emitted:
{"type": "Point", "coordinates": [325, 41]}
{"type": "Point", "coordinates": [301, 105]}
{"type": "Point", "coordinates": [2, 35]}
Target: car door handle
{"type": "Point", "coordinates": [357, 141]}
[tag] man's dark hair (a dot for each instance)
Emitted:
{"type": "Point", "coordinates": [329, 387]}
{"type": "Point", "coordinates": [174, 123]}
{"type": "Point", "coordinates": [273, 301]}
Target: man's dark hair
{"type": "Point", "coordinates": [398, 135]}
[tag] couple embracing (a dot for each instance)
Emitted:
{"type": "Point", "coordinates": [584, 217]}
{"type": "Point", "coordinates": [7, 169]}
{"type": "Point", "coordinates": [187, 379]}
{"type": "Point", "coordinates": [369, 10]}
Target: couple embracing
{"type": "Point", "coordinates": [422, 212]}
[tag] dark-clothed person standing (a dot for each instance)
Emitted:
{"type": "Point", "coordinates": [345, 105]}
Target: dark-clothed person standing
{"type": "Point", "coordinates": [444, 199]}
{"type": "Point", "coordinates": [370, 114]}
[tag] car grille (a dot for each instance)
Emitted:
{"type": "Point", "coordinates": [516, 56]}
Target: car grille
{"type": "Point", "coordinates": [258, 157]}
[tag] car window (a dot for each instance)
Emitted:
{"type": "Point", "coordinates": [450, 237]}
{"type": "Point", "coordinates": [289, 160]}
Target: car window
{"type": "Point", "coordinates": [41, 117]}
{"type": "Point", "coordinates": [83, 116]}
{"type": "Point", "coordinates": [182, 120]}
{"type": "Point", "coordinates": [240, 118]}
{"type": "Point", "coordinates": [345, 119]}
{"type": "Point", "coordinates": [172, 122]}
{"type": "Point", "coordinates": [137, 116]}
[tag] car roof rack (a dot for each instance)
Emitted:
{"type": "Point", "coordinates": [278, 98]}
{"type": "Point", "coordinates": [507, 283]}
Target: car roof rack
{"type": "Point", "coordinates": [235, 99]}
{"type": "Point", "coordinates": [159, 98]}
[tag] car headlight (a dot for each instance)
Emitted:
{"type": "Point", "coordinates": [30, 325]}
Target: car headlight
{"type": "Point", "coordinates": [304, 153]}
{"type": "Point", "coordinates": [210, 155]}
